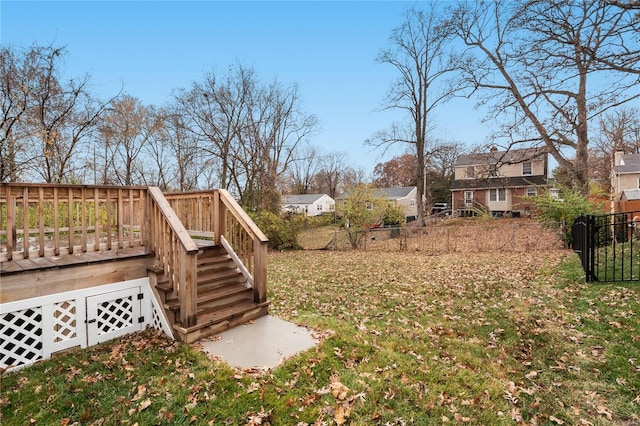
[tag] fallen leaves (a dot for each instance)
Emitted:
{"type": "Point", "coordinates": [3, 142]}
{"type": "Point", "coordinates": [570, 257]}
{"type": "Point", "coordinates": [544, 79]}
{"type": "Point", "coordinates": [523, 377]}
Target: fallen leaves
{"type": "Point", "coordinates": [406, 339]}
{"type": "Point", "coordinates": [144, 404]}
{"type": "Point", "coordinates": [340, 392]}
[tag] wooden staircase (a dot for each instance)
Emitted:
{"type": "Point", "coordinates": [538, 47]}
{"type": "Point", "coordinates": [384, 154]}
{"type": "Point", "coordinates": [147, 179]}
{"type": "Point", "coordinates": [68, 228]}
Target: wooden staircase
{"type": "Point", "coordinates": [224, 296]}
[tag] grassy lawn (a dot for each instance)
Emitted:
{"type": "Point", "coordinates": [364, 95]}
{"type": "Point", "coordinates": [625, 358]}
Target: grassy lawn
{"type": "Point", "coordinates": [408, 338]}
{"type": "Point", "coordinates": [619, 262]}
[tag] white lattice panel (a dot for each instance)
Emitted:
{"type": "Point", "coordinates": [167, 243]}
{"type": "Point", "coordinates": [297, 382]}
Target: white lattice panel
{"type": "Point", "coordinates": [65, 321]}
{"type": "Point", "coordinates": [21, 333]}
{"type": "Point", "coordinates": [33, 329]}
{"type": "Point", "coordinates": [115, 315]}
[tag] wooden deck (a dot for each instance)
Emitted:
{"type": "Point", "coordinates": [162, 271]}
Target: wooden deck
{"type": "Point", "coordinates": [88, 258]}
{"type": "Point", "coordinates": [67, 260]}
{"type": "Point", "coordinates": [60, 238]}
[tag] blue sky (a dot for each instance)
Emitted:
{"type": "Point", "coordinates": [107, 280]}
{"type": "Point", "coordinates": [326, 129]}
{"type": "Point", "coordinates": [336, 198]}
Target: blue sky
{"type": "Point", "coordinates": [154, 47]}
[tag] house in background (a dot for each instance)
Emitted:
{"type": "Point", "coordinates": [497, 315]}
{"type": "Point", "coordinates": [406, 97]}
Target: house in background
{"type": "Point", "coordinates": [404, 197]}
{"type": "Point", "coordinates": [625, 182]}
{"type": "Point", "coordinates": [497, 182]}
{"type": "Point", "coordinates": [308, 204]}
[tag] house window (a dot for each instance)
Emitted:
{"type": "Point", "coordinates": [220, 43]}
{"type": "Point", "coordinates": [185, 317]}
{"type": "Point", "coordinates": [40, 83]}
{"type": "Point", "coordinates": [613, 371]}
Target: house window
{"type": "Point", "coordinates": [468, 198]}
{"type": "Point", "coordinates": [493, 170]}
{"type": "Point", "coordinates": [413, 203]}
{"type": "Point", "coordinates": [638, 183]}
{"type": "Point", "coordinates": [470, 172]}
{"type": "Point", "coordinates": [497, 194]}
{"type": "Point", "coordinates": [532, 192]}
{"type": "Point", "coordinates": [527, 168]}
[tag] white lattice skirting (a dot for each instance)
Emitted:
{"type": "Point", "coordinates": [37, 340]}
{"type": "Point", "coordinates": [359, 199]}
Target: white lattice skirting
{"type": "Point", "coordinates": [33, 329]}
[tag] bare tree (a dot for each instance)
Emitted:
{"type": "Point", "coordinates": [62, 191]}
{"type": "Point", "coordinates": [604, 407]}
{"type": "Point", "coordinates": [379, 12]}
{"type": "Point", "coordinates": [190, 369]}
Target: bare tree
{"type": "Point", "coordinates": [248, 131]}
{"type": "Point", "coordinates": [126, 130]}
{"type": "Point", "coordinates": [18, 75]}
{"type": "Point", "coordinates": [214, 110]}
{"type": "Point", "coordinates": [419, 51]}
{"type": "Point", "coordinates": [547, 68]}
{"type": "Point", "coordinates": [45, 121]}
{"type": "Point", "coordinates": [176, 153]}
{"type": "Point", "coordinates": [304, 168]}
{"type": "Point", "coordinates": [619, 130]}
{"type": "Point", "coordinates": [329, 179]}
{"type": "Point", "coordinates": [278, 130]}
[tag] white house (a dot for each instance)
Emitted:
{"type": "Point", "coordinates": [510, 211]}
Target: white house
{"type": "Point", "coordinates": [308, 204]}
{"type": "Point", "coordinates": [404, 197]}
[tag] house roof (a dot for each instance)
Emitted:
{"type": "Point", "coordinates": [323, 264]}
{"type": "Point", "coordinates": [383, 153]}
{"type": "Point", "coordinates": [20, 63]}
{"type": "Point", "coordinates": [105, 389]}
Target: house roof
{"type": "Point", "coordinates": [629, 163]}
{"type": "Point", "coordinates": [301, 198]}
{"type": "Point", "coordinates": [631, 194]}
{"type": "Point", "coordinates": [512, 156]}
{"type": "Point", "coordinates": [500, 182]}
{"type": "Point", "coordinates": [387, 193]}
{"type": "Point", "coordinates": [394, 193]}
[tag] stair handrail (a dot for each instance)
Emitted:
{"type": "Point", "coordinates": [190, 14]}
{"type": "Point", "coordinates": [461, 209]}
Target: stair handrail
{"type": "Point", "coordinates": [243, 218]}
{"type": "Point", "coordinates": [174, 248]}
{"type": "Point", "coordinates": [255, 263]}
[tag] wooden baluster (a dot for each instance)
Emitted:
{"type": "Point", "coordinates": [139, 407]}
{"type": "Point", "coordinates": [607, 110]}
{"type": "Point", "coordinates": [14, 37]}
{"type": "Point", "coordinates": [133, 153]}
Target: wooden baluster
{"type": "Point", "coordinates": [11, 223]}
{"type": "Point", "coordinates": [96, 218]}
{"type": "Point", "coordinates": [70, 218]}
{"type": "Point", "coordinates": [131, 217]}
{"type": "Point", "coordinates": [41, 219]}
{"type": "Point", "coordinates": [120, 217]}
{"type": "Point", "coordinates": [83, 219]}
{"type": "Point", "coordinates": [56, 222]}
{"type": "Point", "coordinates": [25, 222]}
{"type": "Point", "coordinates": [107, 228]}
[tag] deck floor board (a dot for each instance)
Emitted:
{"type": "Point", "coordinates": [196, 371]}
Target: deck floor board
{"type": "Point", "coordinates": [41, 263]}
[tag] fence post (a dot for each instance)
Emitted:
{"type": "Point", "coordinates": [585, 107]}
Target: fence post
{"type": "Point", "coordinates": [591, 247]}
{"type": "Point", "coordinates": [448, 248]}
{"type": "Point", "coordinates": [578, 240]}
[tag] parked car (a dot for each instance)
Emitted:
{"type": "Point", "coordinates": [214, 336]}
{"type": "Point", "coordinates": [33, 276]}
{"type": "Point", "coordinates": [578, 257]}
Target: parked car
{"type": "Point", "coordinates": [441, 208]}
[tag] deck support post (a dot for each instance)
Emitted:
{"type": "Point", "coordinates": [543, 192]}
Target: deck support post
{"type": "Point", "coordinates": [188, 289]}
{"type": "Point", "coordinates": [219, 218]}
{"type": "Point", "coordinates": [260, 271]}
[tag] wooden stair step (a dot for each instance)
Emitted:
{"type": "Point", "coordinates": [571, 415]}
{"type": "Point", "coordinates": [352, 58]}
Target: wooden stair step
{"type": "Point", "coordinates": [164, 286]}
{"type": "Point", "coordinates": [224, 313]}
{"type": "Point", "coordinates": [224, 293]}
{"type": "Point", "coordinates": [212, 250]}
{"type": "Point", "coordinates": [206, 286]}
{"type": "Point", "coordinates": [232, 292]}
{"type": "Point", "coordinates": [173, 304]}
{"type": "Point", "coordinates": [221, 320]}
{"type": "Point", "coordinates": [219, 266]}
{"type": "Point", "coordinates": [211, 260]}
{"type": "Point", "coordinates": [218, 275]}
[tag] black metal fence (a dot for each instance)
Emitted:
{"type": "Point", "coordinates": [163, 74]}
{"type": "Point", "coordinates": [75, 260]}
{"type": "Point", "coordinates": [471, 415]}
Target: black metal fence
{"type": "Point", "coordinates": [608, 246]}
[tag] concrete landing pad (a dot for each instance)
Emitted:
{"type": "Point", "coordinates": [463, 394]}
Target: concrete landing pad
{"type": "Point", "coordinates": [262, 344]}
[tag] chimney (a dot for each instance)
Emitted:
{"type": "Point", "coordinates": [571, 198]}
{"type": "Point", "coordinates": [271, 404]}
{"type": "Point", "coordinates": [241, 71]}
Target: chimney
{"type": "Point", "coordinates": [617, 158]}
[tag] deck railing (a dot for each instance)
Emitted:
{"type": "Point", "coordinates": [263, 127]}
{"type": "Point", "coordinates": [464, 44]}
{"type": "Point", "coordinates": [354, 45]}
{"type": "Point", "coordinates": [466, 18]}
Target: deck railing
{"type": "Point", "coordinates": [38, 220]}
{"type": "Point", "coordinates": [43, 220]}
{"type": "Point", "coordinates": [176, 251]}
{"type": "Point", "coordinates": [218, 216]}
